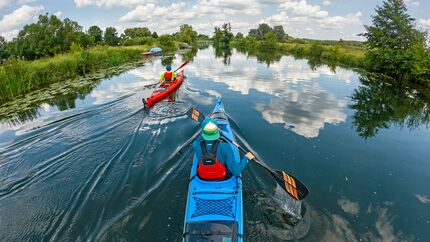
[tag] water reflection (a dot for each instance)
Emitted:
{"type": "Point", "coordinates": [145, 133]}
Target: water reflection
{"type": "Point", "coordinates": [297, 98]}
{"type": "Point", "coordinates": [61, 96]}
{"type": "Point", "coordinates": [224, 53]}
{"type": "Point", "coordinates": [267, 57]}
{"type": "Point", "coordinates": [378, 105]}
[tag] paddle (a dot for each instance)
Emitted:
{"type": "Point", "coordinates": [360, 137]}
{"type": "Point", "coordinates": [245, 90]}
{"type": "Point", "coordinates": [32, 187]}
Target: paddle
{"type": "Point", "coordinates": [289, 183]}
{"type": "Point", "coordinates": [154, 85]}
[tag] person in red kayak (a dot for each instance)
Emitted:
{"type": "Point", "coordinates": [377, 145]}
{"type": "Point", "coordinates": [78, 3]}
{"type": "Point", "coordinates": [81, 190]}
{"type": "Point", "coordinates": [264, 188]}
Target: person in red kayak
{"type": "Point", "coordinates": [167, 77]}
{"type": "Point", "coordinates": [215, 155]}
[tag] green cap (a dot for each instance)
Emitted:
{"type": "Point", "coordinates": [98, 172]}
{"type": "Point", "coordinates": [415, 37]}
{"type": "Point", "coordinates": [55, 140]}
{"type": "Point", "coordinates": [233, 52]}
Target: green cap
{"type": "Point", "coordinates": [210, 129]}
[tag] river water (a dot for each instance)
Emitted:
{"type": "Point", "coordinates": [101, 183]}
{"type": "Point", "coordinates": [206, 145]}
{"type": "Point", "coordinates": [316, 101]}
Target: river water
{"type": "Point", "coordinates": [94, 165]}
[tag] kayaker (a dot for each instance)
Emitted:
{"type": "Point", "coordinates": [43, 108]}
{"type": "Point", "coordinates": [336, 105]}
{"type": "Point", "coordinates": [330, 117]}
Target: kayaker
{"type": "Point", "coordinates": [168, 76]}
{"type": "Point", "coordinates": [216, 156]}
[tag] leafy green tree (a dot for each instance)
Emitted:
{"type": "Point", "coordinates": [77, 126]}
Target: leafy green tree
{"type": "Point", "coordinates": [239, 35]}
{"type": "Point", "coordinates": [111, 36]}
{"type": "Point", "coordinates": [47, 37]}
{"type": "Point", "coordinates": [259, 33]}
{"type": "Point", "coordinates": [166, 42]}
{"type": "Point", "coordinates": [269, 42]}
{"type": "Point", "coordinates": [154, 35]}
{"type": "Point", "coordinates": [96, 33]}
{"type": "Point", "coordinates": [3, 52]}
{"type": "Point", "coordinates": [395, 47]}
{"type": "Point", "coordinates": [279, 32]}
{"type": "Point", "coordinates": [217, 35]}
{"type": "Point", "coordinates": [222, 36]}
{"type": "Point", "coordinates": [187, 34]}
{"type": "Point", "coordinates": [137, 32]}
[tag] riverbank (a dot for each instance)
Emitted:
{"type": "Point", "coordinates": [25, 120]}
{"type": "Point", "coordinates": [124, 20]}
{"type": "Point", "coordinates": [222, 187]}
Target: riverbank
{"type": "Point", "coordinates": [333, 53]}
{"type": "Point", "coordinates": [19, 77]}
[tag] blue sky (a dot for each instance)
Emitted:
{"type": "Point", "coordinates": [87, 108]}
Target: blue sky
{"type": "Point", "coordinates": [321, 19]}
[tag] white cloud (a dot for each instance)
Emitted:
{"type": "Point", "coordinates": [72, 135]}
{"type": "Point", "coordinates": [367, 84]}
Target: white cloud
{"type": "Point", "coordinates": [143, 13]}
{"type": "Point", "coordinates": [326, 2]}
{"type": "Point", "coordinates": [249, 7]}
{"type": "Point", "coordinates": [25, 1]}
{"type": "Point", "coordinates": [110, 3]}
{"type": "Point", "coordinates": [424, 23]}
{"type": "Point", "coordinates": [412, 2]}
{"type": "Point", "coordinates": [10, 34]}
{"type": "Point", "coordinates": [4, 3]}
{"type": "Point", "coordinates": [18, 17]}
{"type": "Point", "coordinates": [340, 22]}
{"type": "Point", "coordinates": [298, 15]}
{"type": "Point", "coordinates": [302, 8]}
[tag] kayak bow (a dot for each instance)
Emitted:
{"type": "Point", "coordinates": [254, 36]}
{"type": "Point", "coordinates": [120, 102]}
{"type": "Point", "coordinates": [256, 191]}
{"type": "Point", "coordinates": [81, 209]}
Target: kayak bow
{"type": "Point", "coordinates": [215, 208]}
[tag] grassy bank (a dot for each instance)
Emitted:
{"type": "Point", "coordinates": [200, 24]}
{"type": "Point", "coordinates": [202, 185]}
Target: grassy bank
{"type": "Point", "coordinates": [18, 77]}
{"type": "Point", "coordinates": [328, 52]}
{"type": "Point", "coordinates": [332, 55]}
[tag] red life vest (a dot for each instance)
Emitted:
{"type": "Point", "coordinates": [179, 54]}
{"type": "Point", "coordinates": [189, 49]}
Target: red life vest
{"type": "Point", "coordinates": [210, 168]}
{"type": "Point", "coordinates": [168, 75]}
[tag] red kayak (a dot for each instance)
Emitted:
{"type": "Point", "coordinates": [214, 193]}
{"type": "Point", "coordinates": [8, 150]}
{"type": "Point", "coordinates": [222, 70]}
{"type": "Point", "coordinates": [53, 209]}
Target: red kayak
{"type": "Point", "coordinates": [164, 91]}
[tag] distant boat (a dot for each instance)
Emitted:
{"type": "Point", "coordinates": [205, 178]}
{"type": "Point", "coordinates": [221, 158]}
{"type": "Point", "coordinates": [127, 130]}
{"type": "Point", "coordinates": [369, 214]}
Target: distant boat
{"type": "Point", "coordinates": [154, 51]}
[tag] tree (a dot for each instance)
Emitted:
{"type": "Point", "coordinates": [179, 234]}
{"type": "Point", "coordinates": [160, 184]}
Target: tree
{"type": "Point", "coordinates": [270, 41]}
{"type": "Point", "coordinates": [111, 36]}
{"type": "Point", "coordinates": [259, 33]}
{"type": "Point", "coordinates": [47, 37]}
{"type": "Point", "coordinates": [137, 32]}
{"type": "Point", "coordinates": [96, 33]}
{"type": "Point", "coordinates": [187, 34]}
{"type": "Point", "coordinates": [166, 42]}
{"type": "Point", "coordinates": [279, 32]}
{"type": "Point", "coordinates": [223, 35]}
{"type": "Point", "coordinates": [3, 52]}
{"type": "Point", "coordinates": [155, 35]}
{"type": "Point", "coordinates": [239, 35]}
{"type": "Point", "coordinates": [394, 44]}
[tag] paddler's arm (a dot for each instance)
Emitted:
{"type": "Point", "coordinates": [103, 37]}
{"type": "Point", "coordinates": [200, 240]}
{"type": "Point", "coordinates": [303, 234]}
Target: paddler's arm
{"type": "Point", "coordinates": [173, 76]}
{"type": "Point", "coordinates": [162, 77]}
{"type": "Point", "coordinates": [234, 167]}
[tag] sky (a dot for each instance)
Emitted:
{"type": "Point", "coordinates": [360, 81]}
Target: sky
{"type": "Point", "coordinates": [316, 19]}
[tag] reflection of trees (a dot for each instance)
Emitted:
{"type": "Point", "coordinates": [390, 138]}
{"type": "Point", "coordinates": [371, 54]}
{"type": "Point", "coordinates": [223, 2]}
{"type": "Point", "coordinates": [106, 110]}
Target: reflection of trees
{"type": "Point", "coordinates": [61, 102]}
{"type": "Point", "coordinates": [167, 60]}
{"type": "Point", "coordinates": [26, 109]}
{"type": "Point", "coordinates": [379, 104]}
{"type": "Point", "coordinates": [190, 54]}
{"type": "Point", "coordinates": [224, 53]}
{"type": "Point", "coordinates": [201, 45]}
{"type": "Point", "coordinates": [266, 56]}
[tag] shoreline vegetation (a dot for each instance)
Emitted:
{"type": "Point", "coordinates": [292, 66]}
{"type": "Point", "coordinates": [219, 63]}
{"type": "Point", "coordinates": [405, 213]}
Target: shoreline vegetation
{"type": "Point", "coordinates": [19, 77]}
{"type": "Point", "coordinates": [54, 50]}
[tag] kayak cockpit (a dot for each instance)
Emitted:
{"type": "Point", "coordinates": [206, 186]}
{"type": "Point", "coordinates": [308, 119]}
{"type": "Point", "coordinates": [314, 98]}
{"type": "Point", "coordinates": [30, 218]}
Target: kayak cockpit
{"type": "Point", "coordinates": [217, 231]}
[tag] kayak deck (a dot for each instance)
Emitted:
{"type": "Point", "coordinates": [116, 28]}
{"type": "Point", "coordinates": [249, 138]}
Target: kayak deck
{"type": "Point", "coordinates": [215, 208]}
{"type": "Point", "coordinates": [164, 92]}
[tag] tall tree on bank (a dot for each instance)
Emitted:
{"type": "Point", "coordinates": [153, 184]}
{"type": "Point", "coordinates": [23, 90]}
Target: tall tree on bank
{"type": "Point", "coordinates": [395, 47]}
{"type": "Point", "coordinates": [47, 37]}
{"type": "Point", "coordinates": [111, 36]}
{"type": "Point", "coordinates": [222, 36]}
{"type": "Point", "coordinates": [187, 34]}
{"type": "Point", "coordinates": [96, 33]}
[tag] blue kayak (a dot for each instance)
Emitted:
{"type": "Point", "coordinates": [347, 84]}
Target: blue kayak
{"type": "Point", "coordinates": [215, 208]}
{"type": "Point", "coordinates": [156, 50]}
